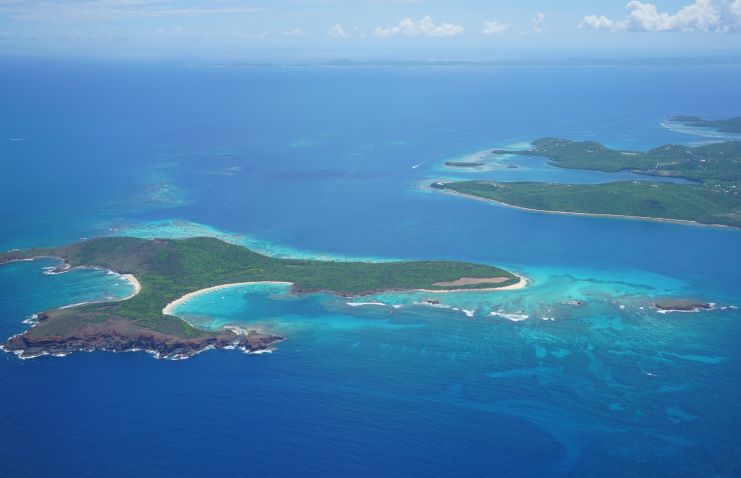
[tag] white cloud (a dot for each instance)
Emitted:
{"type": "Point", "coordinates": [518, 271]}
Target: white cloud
{"type": "Point", "coordinates": [493, 27]}
{"type": "Point", "coordinates": [596, 22]}
{"type": "Point", "coordinates": [337, 32]}
{"type": "Point", "coordinates": [702, 16]}
{"type": "Point", "coordinates": [296, 32]}
{"type": "Point", "coordinates": [424, 27]}
{"type": "Point", "coordinates": [538, 22]}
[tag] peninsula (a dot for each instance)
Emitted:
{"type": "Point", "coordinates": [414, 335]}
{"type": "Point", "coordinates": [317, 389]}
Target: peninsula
{"type": "Point", "coordinates": [716, 161]}
{"type": "Point", "coordinates": [712, 197]}
{"type": "Point", "coordinates": [168, 269]}
{"type": "Point", "coordinates": [730, 125]}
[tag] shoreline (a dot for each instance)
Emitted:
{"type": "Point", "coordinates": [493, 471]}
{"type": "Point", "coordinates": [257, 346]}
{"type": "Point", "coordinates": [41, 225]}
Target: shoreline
{"type": "Point", "coordinates": [133, 281]}
{"type": "Point", "coordinates": [685, 222]}
{"type": "Point", "coordinates": [65, 267]}
{"type": "Point", "coordinates": [521, 284]}
{"type": "Point", "coordinates": [169, 308]}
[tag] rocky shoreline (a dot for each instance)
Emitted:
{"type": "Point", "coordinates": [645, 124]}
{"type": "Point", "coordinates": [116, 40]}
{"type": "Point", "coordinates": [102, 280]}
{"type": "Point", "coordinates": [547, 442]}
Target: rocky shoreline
{"type": "Point", "coordinates": [102, 338]}
{"type": "Point", "coordinates": [681, 305]}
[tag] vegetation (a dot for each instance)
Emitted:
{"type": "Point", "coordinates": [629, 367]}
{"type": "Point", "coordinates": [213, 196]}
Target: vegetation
{"type": "Point", "coordinates": [731, 125]}
{"type": "Point", "coordinates": [718, 161]}
{"type": "Point", "coordinates": [714, 197]}
{"type": "Point", "coordinates": [169, 269]}
{"type": "Point", "coordinates": [685, 202]}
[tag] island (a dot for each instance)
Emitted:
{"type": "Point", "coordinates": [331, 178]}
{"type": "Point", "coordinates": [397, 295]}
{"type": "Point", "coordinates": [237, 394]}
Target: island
{"type": "Point", "coordinates": [730, 125]}
{"type": "Point", "coordinates": [711, 196]}
{"type": "Point", "coordinates": [166, 270]}
{"type": "Point", "coordinates": [681, 305]}
{"type": "Point", "coordinates": [716, 161]}
{"type": "Point", "coordinates": [464, 164]}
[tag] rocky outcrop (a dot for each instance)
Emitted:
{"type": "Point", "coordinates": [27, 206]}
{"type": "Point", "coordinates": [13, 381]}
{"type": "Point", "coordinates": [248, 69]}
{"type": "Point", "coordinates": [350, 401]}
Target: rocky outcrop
{"type": "Point", "coordinates": [681, 305]}
{"type": "Point", "coordinates": [159, 345]}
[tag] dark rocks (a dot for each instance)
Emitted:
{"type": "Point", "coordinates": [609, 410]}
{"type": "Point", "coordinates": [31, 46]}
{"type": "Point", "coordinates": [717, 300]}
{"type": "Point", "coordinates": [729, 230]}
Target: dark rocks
{"type": "Point", "coordinates": [574, 302]}
{"type": "Point", "coordinates": [161, 346]}
{"type": "Point", "coordinates": [681, 305]}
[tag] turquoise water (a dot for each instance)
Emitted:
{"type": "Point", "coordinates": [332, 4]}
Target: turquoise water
{"type": "Point", "coordinates": [573, 376]}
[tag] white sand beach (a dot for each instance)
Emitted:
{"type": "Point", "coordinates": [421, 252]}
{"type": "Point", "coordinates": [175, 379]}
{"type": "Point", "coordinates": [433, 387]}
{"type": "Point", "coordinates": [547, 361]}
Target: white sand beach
{"type": "Point", "coordinates": [135, 282]}
{"type": "Point", "coordinates": [169, 308]}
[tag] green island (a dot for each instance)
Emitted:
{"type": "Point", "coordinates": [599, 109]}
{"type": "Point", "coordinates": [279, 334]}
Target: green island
{"type": "Point", "coordinates": [730, 125]}
{"type": "Point", "coordinates": [715, 162]}
{"type": "Point", "coordinates": [713, 197]}
{"type": "Point", "coordinates": [165, 270]}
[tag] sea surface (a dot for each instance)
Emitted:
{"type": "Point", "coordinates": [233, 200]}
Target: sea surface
{"type": "Point", "coordinates": [576, 375]}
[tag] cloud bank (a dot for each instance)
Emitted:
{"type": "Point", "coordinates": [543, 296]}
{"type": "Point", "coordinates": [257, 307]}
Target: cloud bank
{"type": "Point", "coordinates": [702, 16]}
{"type": "Point", "coordinates": [86, 10]}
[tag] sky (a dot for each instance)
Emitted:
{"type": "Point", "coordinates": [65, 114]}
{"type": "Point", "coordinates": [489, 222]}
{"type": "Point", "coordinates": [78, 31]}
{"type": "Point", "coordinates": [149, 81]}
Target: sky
{"type": "Point", "coordinates": [307, 30]}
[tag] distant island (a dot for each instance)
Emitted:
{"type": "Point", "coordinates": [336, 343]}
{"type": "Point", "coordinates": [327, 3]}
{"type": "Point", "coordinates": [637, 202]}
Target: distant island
{"type": "Point", "coordinates": [166, 270]}
{"type": "Point", "coordinates": [731, 125]}
{"type": "Point", "coordinates": [594, 61]}
{"type": "Point", "coordinates": [714, 196]}
{"type": "Point", "coordinates": [464, 164]}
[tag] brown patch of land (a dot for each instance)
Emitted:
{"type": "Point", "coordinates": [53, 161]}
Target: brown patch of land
{"type": "Point", "coordinates": [472, 281]}
{"type": "Point", "coordinates": [59, 333]}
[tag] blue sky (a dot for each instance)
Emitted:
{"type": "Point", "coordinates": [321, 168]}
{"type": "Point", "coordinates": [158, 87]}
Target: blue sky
{"type": "Point", "coordinates": [326, 29]}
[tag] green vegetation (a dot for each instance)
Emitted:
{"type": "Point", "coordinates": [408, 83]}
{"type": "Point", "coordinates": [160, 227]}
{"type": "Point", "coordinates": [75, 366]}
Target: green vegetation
{"type": "Point", "coordinates": [713, 198]}
{"type": "Point", "coordinates": [731, 125]}
{"type": "Point", "coordinates": [169, 269]}
{"type": "Point", "coordinates": [718, 161]}
{"type": "Point", "coordinates": [626, 198]}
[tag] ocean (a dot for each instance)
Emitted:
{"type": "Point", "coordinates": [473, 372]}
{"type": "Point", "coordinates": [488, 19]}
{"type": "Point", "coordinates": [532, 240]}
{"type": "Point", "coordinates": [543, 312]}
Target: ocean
{"type": "Point", "coordinates": [575, 375]}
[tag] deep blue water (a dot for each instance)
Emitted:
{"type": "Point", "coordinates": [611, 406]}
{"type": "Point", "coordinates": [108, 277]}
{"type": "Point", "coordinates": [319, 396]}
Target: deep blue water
{"type": "Point", "coordinates": [320, 162]}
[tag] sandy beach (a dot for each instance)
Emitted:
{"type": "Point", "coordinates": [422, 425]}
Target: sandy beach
{"type": "Point", "coordinates": [516, 286]}
{"type": "Point", "coordinates": [169, 308]}
{"type": "Point", "coordinates": [135, 282]}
